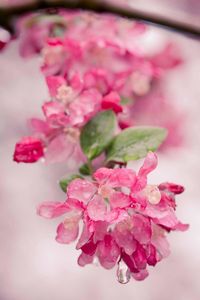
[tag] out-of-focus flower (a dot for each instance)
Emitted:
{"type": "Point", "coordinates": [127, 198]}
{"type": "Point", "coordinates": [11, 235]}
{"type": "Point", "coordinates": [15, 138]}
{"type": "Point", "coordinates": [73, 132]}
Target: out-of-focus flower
{"type": "Point", "coordinates": [29, 150]}
{"type": "Point", "coordinates": [125, 220]}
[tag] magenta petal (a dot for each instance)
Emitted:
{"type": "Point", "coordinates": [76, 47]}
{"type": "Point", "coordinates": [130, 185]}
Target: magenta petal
{"type": "Point", "coordinates": [81, 189]}
{"type": "Point", "coordinates": [67, 231]}
{"type": "Point", "coordinates": [171, 187]}
{"type": "Point", "coordinates": [89, 248]}
{"type": "Point", "coordinates": [97, 208]}
{"type": "Point", "coordinates": [52, 209]}
{"type": "Point", "coordinates": [139, 257]}
{"type": "Point", "coordinates": [151, 255]}
{"type": "Point", "coordinates": [28, 150]}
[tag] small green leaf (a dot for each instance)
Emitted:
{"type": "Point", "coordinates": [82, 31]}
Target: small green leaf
{"type": "Point", "coordinates": [85, 170]}
{"type": "Point", "coordinates": [126, 101]}
{"type": "Point", "coordinates": [97, 134]}
{"type": "Point", "coordinates": [134, 143]}
{"type": "Point", "coordinates": [65, 181]}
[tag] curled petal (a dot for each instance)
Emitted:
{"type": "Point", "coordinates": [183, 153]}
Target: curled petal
{"type": "Point", "coordinates": [97, 209]}
{"type": "Point", "coordinates": [52, 209]}
{"type": "Point", "coordinates": [81, 190]}
{"type": "Point", "coordinates": [171, 187]}
{"type": "Point", "coordinates": [67, 231]}
{"type": "Point", "coordinates": [149, 165]}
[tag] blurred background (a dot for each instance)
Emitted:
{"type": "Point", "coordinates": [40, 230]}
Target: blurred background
{"type": "Point", "coordinates": [32, 265]}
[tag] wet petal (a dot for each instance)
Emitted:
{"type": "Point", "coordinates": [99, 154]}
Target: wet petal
{"type": "Point", "coordinates": [81, 189]}
{"type": "Point", "coordinates": [52, 209]}
{"type": "Point", "coordinates": [97, 208]}
{"type": "Point", "coordinates": [67, 231]}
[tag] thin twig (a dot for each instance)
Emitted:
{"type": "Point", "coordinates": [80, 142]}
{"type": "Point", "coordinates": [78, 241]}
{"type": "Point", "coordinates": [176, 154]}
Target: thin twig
{"type": "Point", "coordinates": [7, 15]}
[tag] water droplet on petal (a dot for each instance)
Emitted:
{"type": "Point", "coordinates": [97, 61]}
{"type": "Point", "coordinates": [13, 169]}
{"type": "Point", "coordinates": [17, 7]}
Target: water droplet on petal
{"type": "Point", "coordinates": [123, 273]}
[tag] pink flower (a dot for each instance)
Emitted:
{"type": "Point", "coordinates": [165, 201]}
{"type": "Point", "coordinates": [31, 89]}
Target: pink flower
{"type": "Point", "coordinates": [125, 220]}
{"type": "Point", "coordinates": [28, 150]}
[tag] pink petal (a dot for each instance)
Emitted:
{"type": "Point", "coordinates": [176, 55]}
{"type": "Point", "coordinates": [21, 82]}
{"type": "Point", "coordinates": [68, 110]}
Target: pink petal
{"type": "Point", "coordinates": [28, 150]}
{"type": "Point", "coordinates": [67, 231]}
{"type": "Point", "coordinates": [89, 248]}
{"type": "Point", "coordinates": [39, 126]}
{"type": "Point", "coordinates": [139, 257]}
{"type": "Point", "coordinates": [81, 190]}
{"type": "Point", "coordinates": [151, 255]}
{"type": "Point", "coordinates": [141, 229]}
{"type": "Point", "coordinates": [59, 149]}
{"type": "Point", "coordinates": [140, 275]}
{"type": "Point", "coordinates": [84, 107]}
{"type": "Point", "coordinates": [53, 83]}
{"type": "Point", "coordinates": [84, 238]}
{"type": "Point", "coordinates": [119, 199]}
{"type": "Point", "coordinates": [112, 101]}
{"type": "Point", "coordinates": [100, 230]}
{"type": "Point", "coordinates": [123, 236]}
{"type": "Point", "coordinates": [97, 208]}
{"type": "Point", "coordinates": [84, 259]}
{"type": "Point", "coordinates": [121, 178]}
{"type": "Point", "coordinates": [52, 209]}
{"type": "Point", "coordinates": [108, 252]}
{"type": "Point", "coordinates": [160, 242]}
{"type": "Point", "coordinates": [102, 175]}
{"type": "Point", "coordinates": [149, 165]}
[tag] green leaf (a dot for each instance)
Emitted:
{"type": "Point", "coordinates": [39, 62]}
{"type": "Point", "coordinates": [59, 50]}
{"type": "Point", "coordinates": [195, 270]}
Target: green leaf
{"type": "Point", "coordinates": [65, 181]}
{"type": "Point", "coordinates": [85, 169]}
{"type": "Point", "coordinates": [97, 134]}
{"type": "Point", "coordinates": [134, 143]}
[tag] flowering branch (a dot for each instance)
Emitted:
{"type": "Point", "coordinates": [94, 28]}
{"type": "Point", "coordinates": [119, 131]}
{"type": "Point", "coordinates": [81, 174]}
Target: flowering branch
{"type": "Point", "coordinates": [96, 76]}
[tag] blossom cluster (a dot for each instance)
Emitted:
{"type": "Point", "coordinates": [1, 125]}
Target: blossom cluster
{"type": "Point", "coordinates": [124, 219]}
{"type": "Point", "coordinates": [101, 84]}
{"type": "Point", "coordinates": [107, 69]}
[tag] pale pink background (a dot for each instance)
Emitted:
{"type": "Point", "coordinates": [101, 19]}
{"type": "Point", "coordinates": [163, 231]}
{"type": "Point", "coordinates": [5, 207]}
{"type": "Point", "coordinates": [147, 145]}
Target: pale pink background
{"type": "Point", "coordinates": [32, 265]}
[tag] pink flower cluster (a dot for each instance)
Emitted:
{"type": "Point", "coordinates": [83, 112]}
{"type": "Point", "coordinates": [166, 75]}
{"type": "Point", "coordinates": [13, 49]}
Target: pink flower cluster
{"type": "Point", "coordinates": [104, 70]}
{"type": "Point", "coordinates": [124, 219]}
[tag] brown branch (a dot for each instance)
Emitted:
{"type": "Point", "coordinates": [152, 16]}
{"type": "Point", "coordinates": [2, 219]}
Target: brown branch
{"type": "Point", "coordinates": [7, 15]}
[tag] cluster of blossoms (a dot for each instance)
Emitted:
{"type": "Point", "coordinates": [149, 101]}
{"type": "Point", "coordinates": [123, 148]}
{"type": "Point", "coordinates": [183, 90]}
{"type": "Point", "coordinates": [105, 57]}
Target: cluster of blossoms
{"type": "Point", "coordinates": [125, 220]}
{"type": "Point", "coordinates": [101, 84]}
{"type": "Point", "coordinates": [92, 63]}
